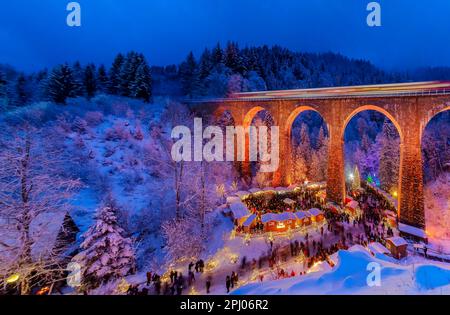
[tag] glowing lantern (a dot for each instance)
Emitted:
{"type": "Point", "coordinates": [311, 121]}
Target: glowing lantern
{"type": "Point", "coordinates": [13, 278]}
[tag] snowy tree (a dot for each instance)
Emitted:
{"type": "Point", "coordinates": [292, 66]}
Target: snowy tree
{"type": "Point", "coordinates": [114, 74]}
{"type": "Point", "coordinates": [389, 157]}
{"type": "Point", "coordinates": [61, 84]}
{"type": "Point", "coordinates": [181, 239]}
{"type": "Point", "coordinates": [102, 79]}
{"type": "Point", "coordinates": [22, 94]}
{"type": "Point", "coordinates": [90, 81]}
{"type": "Point", "coordinates": [189, 75]}
{"type": "Point", "coordinates": [356, 183]}
{"type": "Point", "coordinates": [300, 169]}
{"type": "Point", "coordinates": [142, 84]}
{"type": "Point", "coordinates": [106, 254]}
{"type": "Point", "coordinates": [31, 183]}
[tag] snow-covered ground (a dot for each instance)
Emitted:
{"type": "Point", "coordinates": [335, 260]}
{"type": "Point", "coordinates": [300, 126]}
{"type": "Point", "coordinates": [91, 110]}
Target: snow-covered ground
{"type": "Point", "coordinates": [412, 275]}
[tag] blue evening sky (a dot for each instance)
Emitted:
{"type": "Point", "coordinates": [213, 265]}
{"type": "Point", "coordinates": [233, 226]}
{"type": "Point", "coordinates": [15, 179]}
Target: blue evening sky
{"type": "Point", "coordinates": [34, 34]}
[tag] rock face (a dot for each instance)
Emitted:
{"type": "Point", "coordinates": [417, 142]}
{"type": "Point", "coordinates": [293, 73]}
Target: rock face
{"type": "Point", "coordinates": [409, 113]}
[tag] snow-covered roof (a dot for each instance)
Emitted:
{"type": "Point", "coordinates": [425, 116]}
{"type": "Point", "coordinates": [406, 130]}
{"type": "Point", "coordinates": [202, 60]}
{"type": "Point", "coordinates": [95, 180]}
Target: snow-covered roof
{"type": "Point", "coordinates": [397, 241]}
{"type": "Point", "coordinates": [249, 220]}
{"type": "Point", "coordinates": [378, 248]}
{"type": "Point", "coordinates": [315, 212]}
{"type": "Point", "coordinates": [301, 215]}
{"type": "Point", "coordinates": [269, 189]}
{"type": "Point", "coordinates": [242, 193]}
{"type": "Point", "coordinates": [233, 199]}
{"type": "Point", "coordinates": [292, 187]}
{"type": "Point", "coordinates": [288, 201]}
{"type": "Point", "coordinates": [408, 229]}
{"type": "Point", "coordinates": [280, 189]}
{"type": "Point", "coordinates": [254, 190]}
{"type": "Point", "coordinates": [239, 210]}
{"type": "Point", "coordinates": [278, 217]}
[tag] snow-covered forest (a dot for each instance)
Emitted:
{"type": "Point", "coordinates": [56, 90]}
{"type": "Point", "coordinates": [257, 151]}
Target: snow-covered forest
{"type": "Point", "coordinates": [85, 149]}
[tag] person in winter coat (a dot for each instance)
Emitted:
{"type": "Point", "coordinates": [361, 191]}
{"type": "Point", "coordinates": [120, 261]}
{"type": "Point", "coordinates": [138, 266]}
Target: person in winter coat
{"type": "Point", "coordinates": [208, 284]}
{"type": "Point", "coordinates": [228, 283]}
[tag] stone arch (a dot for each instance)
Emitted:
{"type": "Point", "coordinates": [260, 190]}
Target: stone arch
{"type": "Point", "coordinates": [377, 109]}
{"type": "Point", "coordinates": [287, 134]}
{"type": "Point", "coordinates": [248, 118]}
{"type": "Point", "coordinates": [436, 110]}
{"type": "Point", "coordinates": [297, 112]}
{"type": "Point", "coordinates": [399, 130]}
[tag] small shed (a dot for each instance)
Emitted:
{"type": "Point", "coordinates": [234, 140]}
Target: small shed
{"type": "Point", "coordinates": [278, 222]}
{"type": "Point", "coordinates": [302, 219]}
{"type": "Point", "coordinates": [316, 215]}
{"type": "Point", "coordinates": [249, 223]}
{"type": "Point", "coordinates": [239, 212]}
{"type": "Point", "coordinates": [397, 246]}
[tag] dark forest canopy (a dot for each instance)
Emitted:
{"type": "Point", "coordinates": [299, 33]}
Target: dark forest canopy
{"type": "Point", "coordinates": [217, 72]}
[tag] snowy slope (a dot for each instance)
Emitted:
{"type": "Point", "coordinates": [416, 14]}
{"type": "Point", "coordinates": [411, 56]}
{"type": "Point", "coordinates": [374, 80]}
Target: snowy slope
{"type": "Point", "coordinates": [413, 276]}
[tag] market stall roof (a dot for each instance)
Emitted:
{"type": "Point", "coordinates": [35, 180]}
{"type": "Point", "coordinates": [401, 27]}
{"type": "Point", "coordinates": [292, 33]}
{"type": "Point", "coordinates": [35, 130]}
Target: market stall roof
{"type": "Point", "coordinates": [269, 189]}
{"type": "Point", "coordinates": [301, 215]}
{"type": "Point", "coordinates": [254, 190]}
{"type": "Point", "coordinates": [289, 201]}
{"type": "Point", "coordinates": [378, 248]}
{"type": "Point", "coordinates": [278, 217]}
{"type": "Point", "coordinates": [281, 189]}
{"type": "Point", "coordinates": [398, 241]}
{"type": "Point", "coordinates": [315, 212]}
{"type": "Point", "coordinates": [249, 220]}
{"type": "Point", "coordinates": [233, 199]}
{"type": "Point", "coordinates": [239, 210]}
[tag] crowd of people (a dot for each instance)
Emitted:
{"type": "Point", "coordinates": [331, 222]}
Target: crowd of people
{"type": "Point", "coordinates": [341, 232]}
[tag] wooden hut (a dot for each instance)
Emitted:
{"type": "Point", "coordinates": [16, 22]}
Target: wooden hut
{"type": "Point", "coordinates": [249, 223]}
{"type": "Point", "coordinates": [278, 222]}
{"type": "Point", "coordinates": [397, 246]}
{"type": "Point", "coordinates": [316, 215]}
{"type": "Point", "coordinates": [239, 212]}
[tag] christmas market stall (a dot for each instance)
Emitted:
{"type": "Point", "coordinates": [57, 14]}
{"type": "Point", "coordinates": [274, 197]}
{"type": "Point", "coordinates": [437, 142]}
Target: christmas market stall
{"type": "Point", "coordinates": [316, 215]}
{"type": "Point", "coordinates": [290, 203]}
{"type": "Point", "coordinates": [278, 222]}
{"type": "Point", "coordinates": [397, 246]}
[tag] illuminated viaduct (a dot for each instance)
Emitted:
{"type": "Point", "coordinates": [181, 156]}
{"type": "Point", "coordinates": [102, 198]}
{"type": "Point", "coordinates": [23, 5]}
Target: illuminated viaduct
{"type": "Point", "coordinates": [409, 106]}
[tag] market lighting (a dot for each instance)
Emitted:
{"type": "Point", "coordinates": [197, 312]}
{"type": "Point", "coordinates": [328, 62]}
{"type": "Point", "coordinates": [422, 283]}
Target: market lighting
{"type": "Point", "coordinates": [395, 194]}
{"type": "Point", "coordinates": [13, 278]}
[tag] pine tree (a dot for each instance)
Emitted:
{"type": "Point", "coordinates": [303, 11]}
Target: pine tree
{"type": "Point", "coordinates": [102, 79]}
{"type": "Point", "coordinates": [205, 64]}
{"type": "Point", "coordinates": [61, 84]}
{"type": "Point", "coordinates": [217, 55]}
{"type": "Point", "coordinates": [78, 78]}
{"type": "Point", "coordinates": [128, 73]}
{"type": "Point", "coordinates": [189, 75]}
{"type": "Point", "coordinates": [3, 91]}
{"type": "Point", "coordinates": [90, 82]}
{"type": "Point", "coordinates": [142, 84]}
{"type": "Point", "coordinates": [233, 59]}
{"type": "Point", "coordinates": [299, 167]}
{"type": "Point", "coordinates": [389, 157]}
{"type": "Point", "coordinates": [106, 254]}
{"type": "Point", "coordinates": [114, 74]}
{"type": "Point", "coordinates": [356, 184]}
{"type": "Point", "coordinates": [21, 95]}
